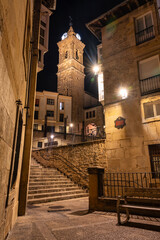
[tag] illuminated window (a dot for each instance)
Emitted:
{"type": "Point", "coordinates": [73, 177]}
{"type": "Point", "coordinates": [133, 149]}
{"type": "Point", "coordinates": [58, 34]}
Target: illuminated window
{"type": "Point", "coordinates": [151, 109]}
{"type": "Point", "coordinates": [100, 87]}
{"type": "Point", "coordinates": [50, 101]}
{"type": "Point", "coordinates": [61, 106]}
{"type": "Point", "coordinates": [149, 74]}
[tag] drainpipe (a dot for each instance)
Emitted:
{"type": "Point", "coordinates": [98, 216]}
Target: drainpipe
{"type": "Point", "coordinates": [30, 115]}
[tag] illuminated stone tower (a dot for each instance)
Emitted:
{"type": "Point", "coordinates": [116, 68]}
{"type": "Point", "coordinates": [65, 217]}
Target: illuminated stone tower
{"type": "Point", "coordinates": [71, 74]}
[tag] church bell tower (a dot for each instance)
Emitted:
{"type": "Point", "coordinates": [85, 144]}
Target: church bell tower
{"type": "Point", "coordinates": [71, 74]}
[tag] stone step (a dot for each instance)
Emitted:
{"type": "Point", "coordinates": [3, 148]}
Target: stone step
{"type": "Point", "coordinates": [45, 190]}
{"type": "Point", "coordinates": [49, 183]}
{"type": "Point", "coordinates": [46, 178]}
{"type": "Point", "coordinates": [59, 198]}
{"type": "Point", "coordinates": [54, 194]}
{"type": "Point", "coordinates": [54, 181]}
{"type": "Point", "coordinates": [50, 186]}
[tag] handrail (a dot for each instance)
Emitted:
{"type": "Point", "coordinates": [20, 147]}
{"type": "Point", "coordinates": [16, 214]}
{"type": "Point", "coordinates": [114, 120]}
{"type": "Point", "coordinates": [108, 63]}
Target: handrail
{"type": "Point", "coordinates": [71, 166]}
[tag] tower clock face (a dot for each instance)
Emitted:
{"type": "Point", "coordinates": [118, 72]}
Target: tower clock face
{"type": "Point", "coordinates": [64, 36]}
{"type": "Point", "coordinates": [78, 36]}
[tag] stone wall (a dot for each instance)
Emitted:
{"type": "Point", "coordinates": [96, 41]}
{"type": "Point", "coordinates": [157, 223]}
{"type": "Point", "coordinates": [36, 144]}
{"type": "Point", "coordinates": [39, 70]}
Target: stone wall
{"type": "Point", "coordinates": [127, 148]}
{"type": "Point", "coordinates": [74, 160]}
{"type": "Point", "coordinates": [14, 43]}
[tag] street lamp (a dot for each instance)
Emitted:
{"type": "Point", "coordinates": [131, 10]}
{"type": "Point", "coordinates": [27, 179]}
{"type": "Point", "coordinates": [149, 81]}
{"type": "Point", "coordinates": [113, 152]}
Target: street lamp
{"type": "Point", "coordinates": [96, 69]}
{"type": "Point", "coordinates": [123, 93]}
{"type": "Point", "coordinates": [52, 136]}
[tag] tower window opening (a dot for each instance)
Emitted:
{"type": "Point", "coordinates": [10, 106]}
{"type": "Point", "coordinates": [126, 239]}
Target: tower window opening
{"type": "Point", "coordinates": [66, 54]}
{"type": "Point", "coordinates": [77, 56]}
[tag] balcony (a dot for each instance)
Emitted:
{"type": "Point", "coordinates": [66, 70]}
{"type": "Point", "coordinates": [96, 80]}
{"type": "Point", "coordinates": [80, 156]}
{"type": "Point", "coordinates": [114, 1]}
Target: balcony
{"type": "Point", "coordinates": [150, 85]}
{"type": "Point", "coordinates": [145, 35]}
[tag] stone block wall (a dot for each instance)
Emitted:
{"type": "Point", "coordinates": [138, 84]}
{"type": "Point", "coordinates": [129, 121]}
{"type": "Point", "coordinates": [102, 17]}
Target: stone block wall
{"type": "Point", "coordinates": [127, 148]}
{"type": "Point", "coordinates": [13, 67]}
{"type": "Point", "coordinates": [74, 160]}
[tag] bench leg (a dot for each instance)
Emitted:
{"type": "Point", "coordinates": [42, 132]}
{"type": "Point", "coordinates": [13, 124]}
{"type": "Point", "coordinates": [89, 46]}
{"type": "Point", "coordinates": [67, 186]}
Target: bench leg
{"type": "Point", "coordinates": [118, 213]}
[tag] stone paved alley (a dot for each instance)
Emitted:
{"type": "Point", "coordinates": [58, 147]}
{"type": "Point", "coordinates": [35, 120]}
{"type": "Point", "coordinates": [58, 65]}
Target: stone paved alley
{"type": "Point", "coordinates": [70, 220]}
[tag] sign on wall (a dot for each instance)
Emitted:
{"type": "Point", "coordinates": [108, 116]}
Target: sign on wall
{"type": "Point", "coordinates": [120, 122]}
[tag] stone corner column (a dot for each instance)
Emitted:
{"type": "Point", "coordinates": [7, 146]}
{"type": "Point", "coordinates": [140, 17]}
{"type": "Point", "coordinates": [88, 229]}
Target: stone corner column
{"type": "Point", "coordinates": [95, 186]}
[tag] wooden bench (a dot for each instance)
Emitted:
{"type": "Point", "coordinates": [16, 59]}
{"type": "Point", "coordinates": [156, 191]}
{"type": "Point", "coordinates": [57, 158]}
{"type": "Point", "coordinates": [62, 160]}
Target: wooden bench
{"type": "Point", "coordinates": [141, 200]}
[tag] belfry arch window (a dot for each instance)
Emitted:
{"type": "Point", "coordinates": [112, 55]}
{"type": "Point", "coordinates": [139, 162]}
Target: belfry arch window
{"type": "Point", "coordinates": [77, 56]}
{"type": "Point", "coordinates": [66, 54]}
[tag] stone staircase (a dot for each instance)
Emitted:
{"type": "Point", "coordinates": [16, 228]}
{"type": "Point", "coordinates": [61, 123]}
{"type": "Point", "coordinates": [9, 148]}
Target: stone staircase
{"type": "Point", "coordinates": [48, 185]}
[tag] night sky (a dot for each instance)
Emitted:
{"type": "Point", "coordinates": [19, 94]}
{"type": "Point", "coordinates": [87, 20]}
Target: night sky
{"type": "Point", "coordinates": [82, 12]}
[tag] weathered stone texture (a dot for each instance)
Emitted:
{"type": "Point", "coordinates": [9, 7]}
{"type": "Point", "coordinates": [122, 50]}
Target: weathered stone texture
{"type": "Point", "coordinates": [12, 87]}
{"type": "Point", "coordinates": [74, 160]}
{"type": "Point", "coordinates": [127, 148]}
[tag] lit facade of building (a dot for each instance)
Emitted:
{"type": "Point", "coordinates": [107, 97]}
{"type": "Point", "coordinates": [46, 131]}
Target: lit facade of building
{"type": "Point", "coordinates": [19, 25]}
{"type": "Point", "coordinates": [44, 35]}
{"type": "Point", "coordinates": [131, 61]}
{"type": "Point", "coordinates": [51, 108]}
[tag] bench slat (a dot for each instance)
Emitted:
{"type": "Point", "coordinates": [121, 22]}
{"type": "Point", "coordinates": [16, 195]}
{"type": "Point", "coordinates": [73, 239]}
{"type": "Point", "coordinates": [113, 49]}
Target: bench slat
{"type": "Point", "coordinates": [140, 207]}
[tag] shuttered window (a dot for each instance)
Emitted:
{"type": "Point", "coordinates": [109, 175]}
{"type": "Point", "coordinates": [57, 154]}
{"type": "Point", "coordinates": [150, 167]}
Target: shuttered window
{"type": "Point", "coordinates": [149, 67]}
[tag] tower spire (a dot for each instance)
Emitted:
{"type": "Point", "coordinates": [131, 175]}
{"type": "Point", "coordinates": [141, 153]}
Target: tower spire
{"type": "Point", "coordinates": [70, 21]}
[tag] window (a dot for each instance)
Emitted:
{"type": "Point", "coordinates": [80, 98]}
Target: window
{"type": "Point", "coordinates": [66, 54]}
{"type": "Point", "coordinates": [36, 114]}
{"type": "Point", "coordinates": [61, 117]}
{"type": "Point", "coordinates": [35, 127]}
{"type": "Point", "coordinates": [40, 55]}
{"type": "Point", "coordinates": [86, 115]}
{"type": "Point", "coordinates": [154, 152]}
{"type": "Point", "coordinates": [151, 109]}
{"type": "Point", "coordinates": [50, 113]}
{"type": "Point", "coordinates": [100, 87]}
{"type": "Point", "coordinates": [51, 129]}
{"type": "Point", "coordinates": [42, 36]}
{"type": "Point", "coordinates": [43, 23]}
{"type": "Point", "coordinates": [37, 102]}
{"type": "Point", "coordinates": [90, 114]}
{"type": "Point", "coordinates": [149, 74]}
{"type": "Point", "coordinates": [77, 57]}
{"type": "Point", "coordinates": [61, 106]}
{"type": "Point", "coordinates": [39, 144]}
{"type": "Point", "coordinates": [144, 28]}
{"type": "Point", "coordinates": [61, 129]}
{"type": "Point", "coordinates": [50, 101]}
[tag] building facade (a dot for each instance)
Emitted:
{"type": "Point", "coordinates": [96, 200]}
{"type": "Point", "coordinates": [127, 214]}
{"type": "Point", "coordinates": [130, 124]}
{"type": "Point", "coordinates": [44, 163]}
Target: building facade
{"type": "Point", "coordinates": [51, 109]}
{"type": "Point", "coordinates": [130, 35]}
{"type": "Point", "coordinates": [18, 67]}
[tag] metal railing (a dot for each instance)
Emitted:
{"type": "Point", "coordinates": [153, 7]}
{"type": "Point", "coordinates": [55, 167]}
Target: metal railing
{"type": "Point", "coordinates": [115, 183]}
{"type": "Point", "coordinates": [145, 35]}
{"type": "Point", "coordinates": [150, 85]}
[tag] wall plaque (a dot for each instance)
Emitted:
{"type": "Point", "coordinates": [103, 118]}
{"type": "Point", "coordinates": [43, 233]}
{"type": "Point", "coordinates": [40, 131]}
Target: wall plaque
{"type": "Point", "coordinates": [120, 122]}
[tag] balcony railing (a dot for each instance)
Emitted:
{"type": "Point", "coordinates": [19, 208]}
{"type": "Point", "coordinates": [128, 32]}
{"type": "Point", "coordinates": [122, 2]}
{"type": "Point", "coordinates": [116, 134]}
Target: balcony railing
{"type": "Point", "coordinates": [145, 35]}
{"type": "Point", "coordinates": [150, 85]}
{"type": "Point", "coordinates": [115, 183]}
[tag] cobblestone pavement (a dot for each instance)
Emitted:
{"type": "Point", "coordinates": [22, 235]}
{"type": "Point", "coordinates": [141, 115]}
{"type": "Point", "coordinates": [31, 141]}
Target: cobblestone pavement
{"type": "Point", "coordinates": [70, 220]}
